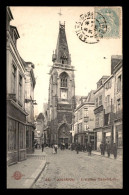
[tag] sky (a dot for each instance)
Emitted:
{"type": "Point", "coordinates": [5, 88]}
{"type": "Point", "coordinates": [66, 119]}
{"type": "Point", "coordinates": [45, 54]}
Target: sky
{"type": "Point", "coordinates": [38, 28]}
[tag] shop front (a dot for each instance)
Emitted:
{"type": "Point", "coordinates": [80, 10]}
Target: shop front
{"type": "Point", "coordinates": [83, 138]}
{"type": "Point", "coordinates": [16, 134]}
{"type": "Point", "coordinates": [119, 137]}
{"type": "Point", "coordinates": [98, 138]}
{"type": "Point", "coordinates": [107, 135]}
{"type": "Point", "coordinates": [30, 138]}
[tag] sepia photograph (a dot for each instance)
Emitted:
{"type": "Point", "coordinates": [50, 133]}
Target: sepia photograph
{"type": "Point", "coordinates": [64, 97]}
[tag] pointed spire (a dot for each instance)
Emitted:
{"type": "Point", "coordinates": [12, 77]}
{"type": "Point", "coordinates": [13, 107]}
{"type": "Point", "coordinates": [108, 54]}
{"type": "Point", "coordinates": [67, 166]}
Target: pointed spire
{"type": "Point", "coordinates": [62, 52]}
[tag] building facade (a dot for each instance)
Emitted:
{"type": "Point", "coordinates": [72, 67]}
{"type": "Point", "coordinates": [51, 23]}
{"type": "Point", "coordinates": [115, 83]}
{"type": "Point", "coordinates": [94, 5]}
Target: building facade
{"type": "Point", "coordinates": [16, 114]}
{"type": "Point", "coordinates": [29, 105]}
{"type": "Point", "coordinates": [84, 121]}
{"type": "Point", "coordinates": [108, 110]}
{"type": "Point", "coordinates": [20, 98]}
{"type": "Point", "coordinates": [39, 136]}
{"type": "Point", "coordinates": [118, 102]}
{"type": "Point", "coordinates": [61, 102]}
{"type": "Point", "coordinates": [99, 110]}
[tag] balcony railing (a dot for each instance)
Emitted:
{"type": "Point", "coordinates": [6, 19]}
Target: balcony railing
{"type": "Point", "coordinates": [118, 115]}
{"type": "Point", "coordinates": [64, 107]}
{"type": "Point", "coordinates": [63, 65]}
{"type": "Point", "coordinates": [64, 100]}
{"type": "Point", "coordinates": [98, 109]}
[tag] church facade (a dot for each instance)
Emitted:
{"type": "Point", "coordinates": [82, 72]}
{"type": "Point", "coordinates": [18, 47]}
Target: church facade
{"type": "Point", "coordinates": [61, 101]}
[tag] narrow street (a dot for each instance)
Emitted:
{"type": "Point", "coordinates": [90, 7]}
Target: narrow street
{"type": "Point", "coordinates": [68, 170]}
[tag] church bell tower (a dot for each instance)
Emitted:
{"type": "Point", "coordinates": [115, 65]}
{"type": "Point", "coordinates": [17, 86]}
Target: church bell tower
{"type": "Point", "coordinates": [61, 101]}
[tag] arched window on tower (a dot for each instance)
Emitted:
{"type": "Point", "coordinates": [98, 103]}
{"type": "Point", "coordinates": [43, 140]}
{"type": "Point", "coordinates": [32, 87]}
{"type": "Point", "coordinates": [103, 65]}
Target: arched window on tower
{"type": "Point", "coordinates": [64, 80]}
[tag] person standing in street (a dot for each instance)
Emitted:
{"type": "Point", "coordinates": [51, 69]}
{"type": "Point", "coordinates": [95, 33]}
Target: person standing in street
{"type": "Point", "coordinates": [77, 148]}
{"type": "Point", "coordinates": [90, 149]}
{"type": "Point", "coordinates": [115, 150]}
{"type": "Point", "coordinates": [101, 147]}
{"type": "Point", "coordinates": [108, 149]}
{"type": "Point", "coordinates": [42, 146]}
{"type": "Point", "coordinates": [104, 148]}
{"type": "Point", "coordinates": [53, 149]}
{"type": "Point", "coordinates": [56, 147]}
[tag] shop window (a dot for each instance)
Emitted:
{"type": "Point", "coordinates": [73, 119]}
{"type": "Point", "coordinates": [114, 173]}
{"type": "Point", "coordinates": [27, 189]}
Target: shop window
{"type": "Point", "coordinates": [27, 137]}
{"type": "Point", "coordinates": [120, 139]}
{"type": "Point", "coordinates": [21, 132]}
{"type": "Point", "coordinates": [11, 135]}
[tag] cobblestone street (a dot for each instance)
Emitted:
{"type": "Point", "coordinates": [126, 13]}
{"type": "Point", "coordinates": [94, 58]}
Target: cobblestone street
{"type": "Point", "coordinates": [68, 170]}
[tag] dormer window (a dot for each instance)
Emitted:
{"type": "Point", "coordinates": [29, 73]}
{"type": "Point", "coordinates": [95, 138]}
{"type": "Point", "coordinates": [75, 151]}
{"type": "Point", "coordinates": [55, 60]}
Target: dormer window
{"type": "Point", "coordinates": [15, 34]}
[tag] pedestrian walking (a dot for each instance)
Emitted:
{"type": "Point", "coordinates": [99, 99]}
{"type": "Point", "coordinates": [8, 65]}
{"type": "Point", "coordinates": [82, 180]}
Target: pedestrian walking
{"type": "Point", "coordinates": [77, 148]}
{"type": "Point", "coordinates": [101, 147]}
{"type": "Point", "coordinates": [63, 145]}
{"type": "Point", "coordinates": [104, 148]}
{"type": "Point", "coordinates": [90, 149]}
{"type": "Point", "coordinates": [108, 149]}
{"type": "Point", "coordinates": [115, 150]}
{"type": "Point", "coordinates": [42, 146]}
{"type": "Point", "coordinates": [53, 149]}
{"type": "Point", "coordinates": [56, 147]}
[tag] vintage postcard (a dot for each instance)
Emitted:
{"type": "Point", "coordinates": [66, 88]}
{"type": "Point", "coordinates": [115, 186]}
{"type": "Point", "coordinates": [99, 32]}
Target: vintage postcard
{"type": "Point", "coordinates": [64, 97]}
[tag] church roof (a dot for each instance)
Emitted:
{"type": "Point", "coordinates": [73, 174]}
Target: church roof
{"type": "Point", "coordinates": [40, 117]}
{"type": "Point", "coordinates": [62, 50]}
{"type": "Point", "coordinates": [91, 96]}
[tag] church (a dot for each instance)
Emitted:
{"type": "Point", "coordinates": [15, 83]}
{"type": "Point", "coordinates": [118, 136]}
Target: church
{"type": "Point", "coordinates": [61, 97]}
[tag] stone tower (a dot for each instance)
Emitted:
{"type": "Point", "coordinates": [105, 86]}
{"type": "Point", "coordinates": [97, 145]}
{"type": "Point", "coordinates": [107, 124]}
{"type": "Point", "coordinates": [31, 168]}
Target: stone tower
{"type": "Point", "coordinates": [61, 101]}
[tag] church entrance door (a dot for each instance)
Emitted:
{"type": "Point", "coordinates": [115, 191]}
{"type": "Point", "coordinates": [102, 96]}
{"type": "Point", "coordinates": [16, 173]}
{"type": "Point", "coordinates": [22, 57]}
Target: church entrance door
{"type": "Point", "coordinates": [64, 135]}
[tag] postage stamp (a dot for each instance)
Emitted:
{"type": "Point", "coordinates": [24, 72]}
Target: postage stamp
{"type": "Point", "coordinates": [112, 17]}
{"type": "Point", "coordinates": [100, 23]}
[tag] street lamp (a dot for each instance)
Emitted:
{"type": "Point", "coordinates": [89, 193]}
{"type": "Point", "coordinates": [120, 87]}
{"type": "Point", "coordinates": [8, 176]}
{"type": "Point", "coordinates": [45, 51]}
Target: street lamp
{"type": "Point", "coordinates": [30, 100]}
